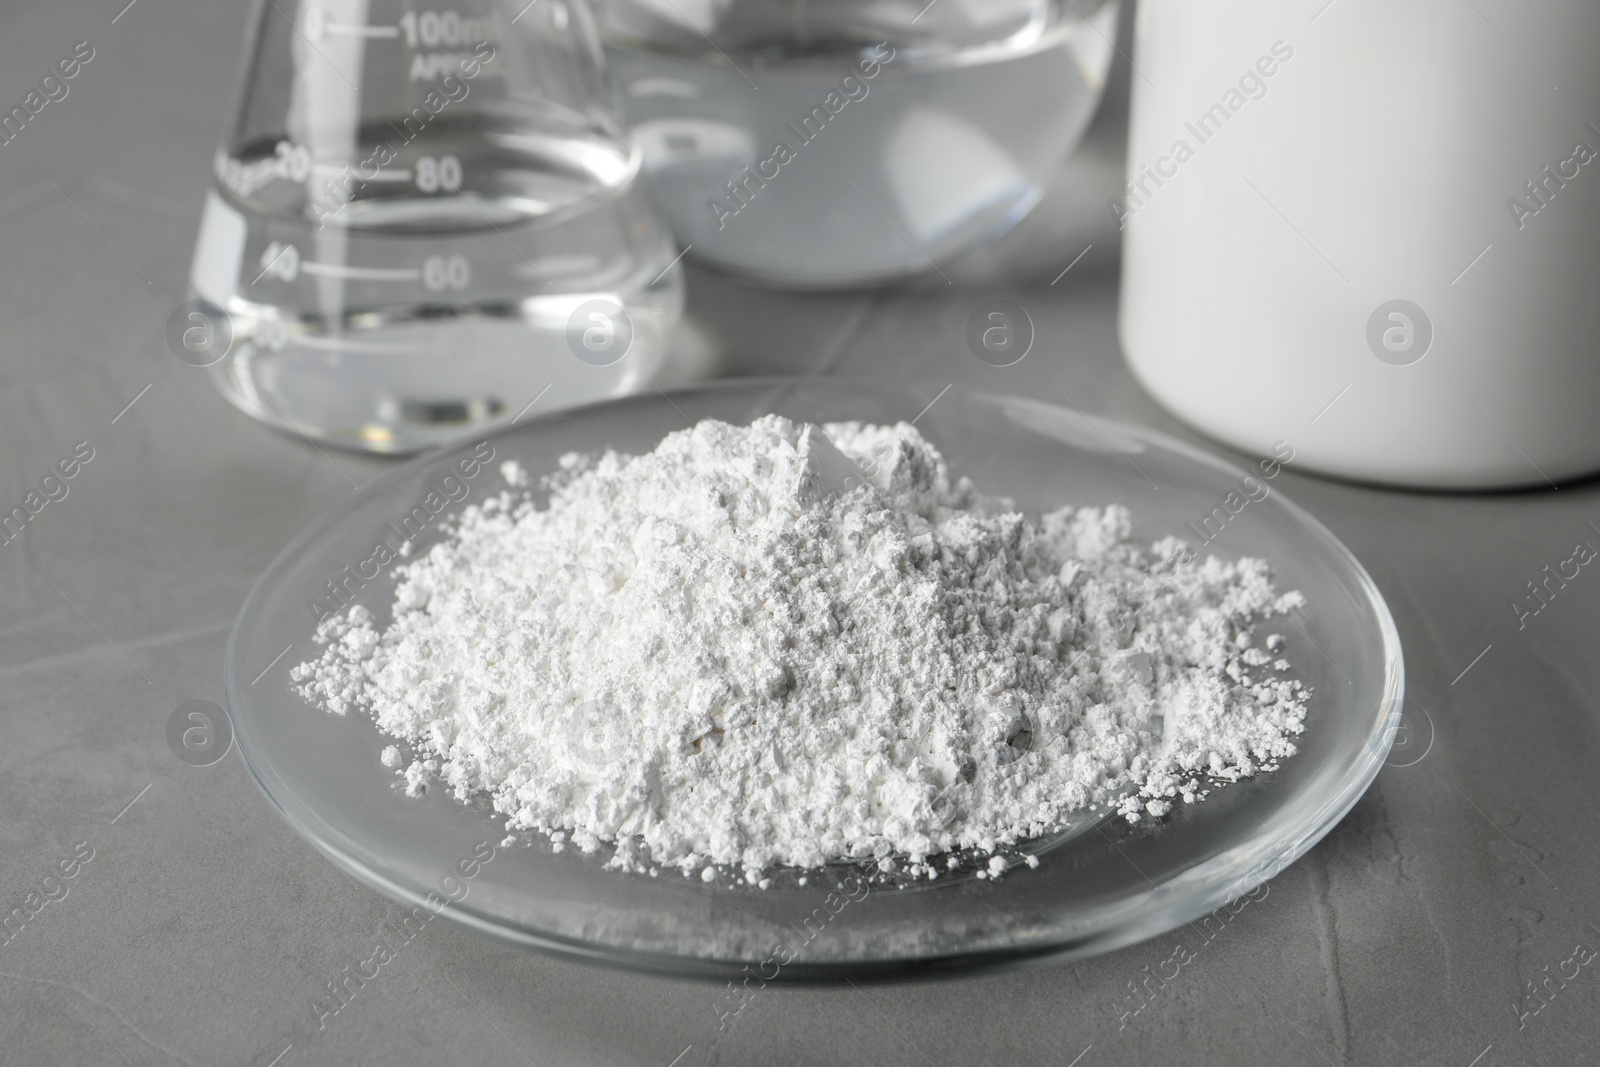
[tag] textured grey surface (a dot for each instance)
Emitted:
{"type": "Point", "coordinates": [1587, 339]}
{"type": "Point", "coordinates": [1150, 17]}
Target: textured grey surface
{"type": "Point", "coordinates": [203, 928]}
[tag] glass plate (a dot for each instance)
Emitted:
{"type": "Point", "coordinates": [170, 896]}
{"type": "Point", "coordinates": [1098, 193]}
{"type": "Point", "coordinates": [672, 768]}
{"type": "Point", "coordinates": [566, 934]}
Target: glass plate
{"type": "Point", "coordinates": [1099, 886]}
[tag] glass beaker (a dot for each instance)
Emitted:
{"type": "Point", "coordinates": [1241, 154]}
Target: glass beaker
{"type": "Point", "coordinates": [824, 143]}
{"type": "Point", "coordinates": [427, 217]}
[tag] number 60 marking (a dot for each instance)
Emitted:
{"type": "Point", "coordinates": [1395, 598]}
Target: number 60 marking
{"type": "Point", "coordinates": [440, 273]}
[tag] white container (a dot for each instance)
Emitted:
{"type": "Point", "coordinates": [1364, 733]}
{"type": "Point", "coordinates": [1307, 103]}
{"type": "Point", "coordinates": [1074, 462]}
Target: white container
{"type": "Point", "coordinates": [1371, 231]}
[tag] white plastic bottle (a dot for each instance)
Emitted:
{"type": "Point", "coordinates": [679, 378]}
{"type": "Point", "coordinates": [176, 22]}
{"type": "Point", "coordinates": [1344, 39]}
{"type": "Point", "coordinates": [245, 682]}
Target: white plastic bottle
{"type": "Point", "coordinates": [1372, 231]}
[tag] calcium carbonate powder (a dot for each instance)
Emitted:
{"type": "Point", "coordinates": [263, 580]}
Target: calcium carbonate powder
{"type": "Point", "coordinates": [791, 644]}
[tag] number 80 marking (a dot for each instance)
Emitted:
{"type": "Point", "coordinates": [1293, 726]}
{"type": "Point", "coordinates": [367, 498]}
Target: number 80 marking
{"type": "Point", "coordinates": [446, 272]}
{"type": "Point", "coordinates": [441, 173]}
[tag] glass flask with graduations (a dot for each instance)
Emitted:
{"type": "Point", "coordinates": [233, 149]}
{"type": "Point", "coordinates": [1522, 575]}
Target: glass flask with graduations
{"type": "Point", "coordinates": [427, 216]}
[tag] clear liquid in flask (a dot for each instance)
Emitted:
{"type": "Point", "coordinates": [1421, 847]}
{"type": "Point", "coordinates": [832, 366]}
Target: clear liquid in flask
{"type": "Point", "coordinates": [871, 150]}
{"type": "Point", "coordinates": [399, 279]}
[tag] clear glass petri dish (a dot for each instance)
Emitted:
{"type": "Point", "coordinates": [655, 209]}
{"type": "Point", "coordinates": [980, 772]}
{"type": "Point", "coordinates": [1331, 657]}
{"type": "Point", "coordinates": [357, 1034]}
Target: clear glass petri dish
{"type": "Point", "coordinates": [1099, 885]}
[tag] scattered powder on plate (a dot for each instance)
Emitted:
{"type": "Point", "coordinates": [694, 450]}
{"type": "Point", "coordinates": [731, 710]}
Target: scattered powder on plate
{"type": "Point", "coordinates": [791, 644]}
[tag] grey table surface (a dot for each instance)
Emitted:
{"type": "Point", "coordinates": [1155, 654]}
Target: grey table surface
{"type": "Point", "coordinates": [203, 928]}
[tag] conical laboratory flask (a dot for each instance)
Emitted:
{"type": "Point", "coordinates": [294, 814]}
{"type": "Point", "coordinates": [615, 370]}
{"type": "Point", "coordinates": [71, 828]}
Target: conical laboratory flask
{"type": "Point", "coordinates": [426, 218]}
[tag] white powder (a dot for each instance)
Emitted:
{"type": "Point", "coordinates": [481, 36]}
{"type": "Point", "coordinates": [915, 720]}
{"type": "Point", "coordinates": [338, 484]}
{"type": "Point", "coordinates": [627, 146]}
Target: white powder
{"type": "Point", "coordinates": [753, 646]}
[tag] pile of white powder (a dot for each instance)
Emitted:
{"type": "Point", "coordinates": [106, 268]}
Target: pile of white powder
{"type": "Point", "coordinates": [791, 644]}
